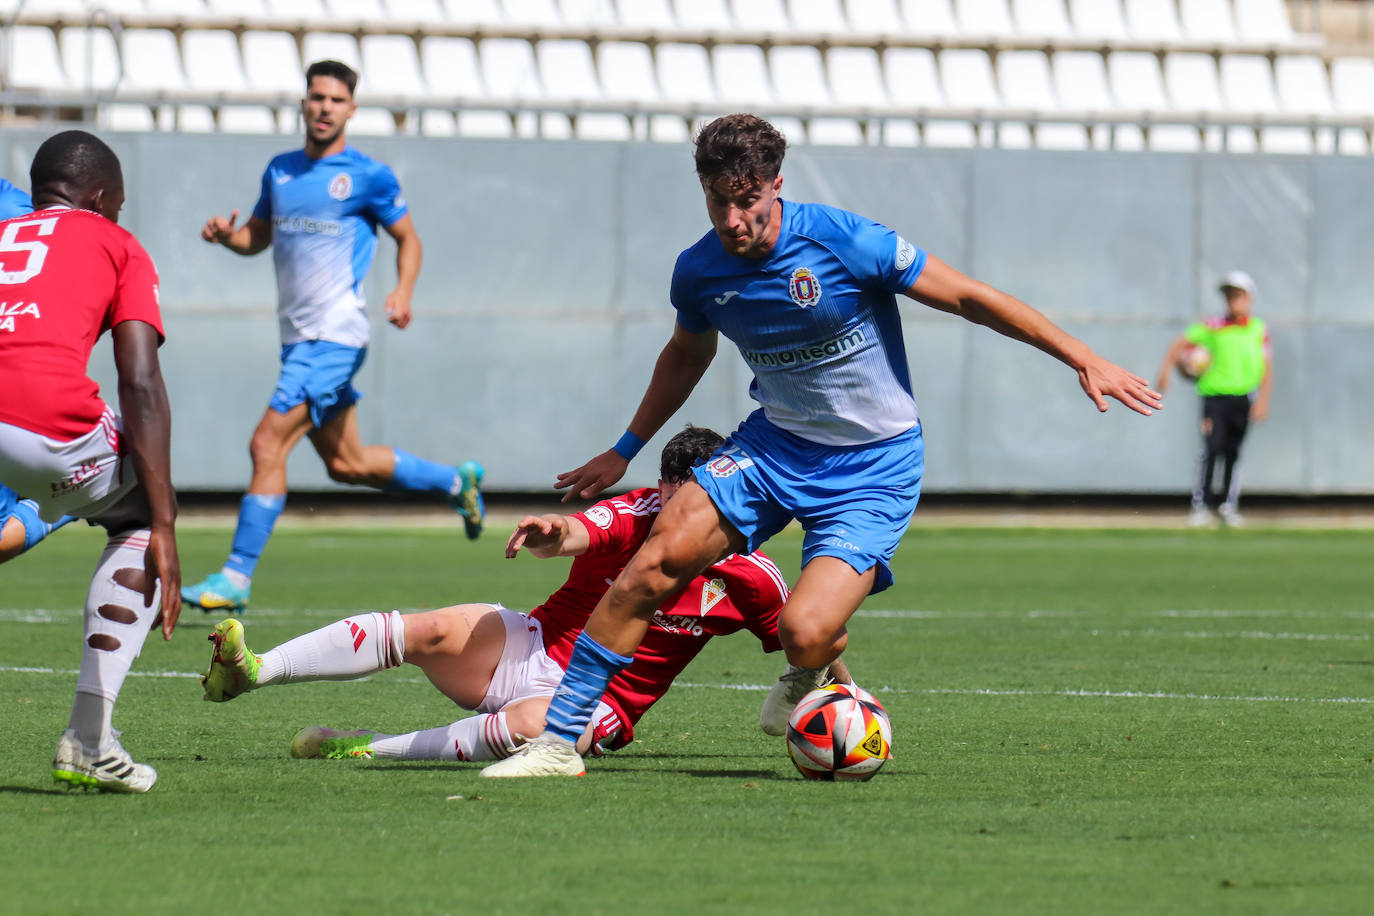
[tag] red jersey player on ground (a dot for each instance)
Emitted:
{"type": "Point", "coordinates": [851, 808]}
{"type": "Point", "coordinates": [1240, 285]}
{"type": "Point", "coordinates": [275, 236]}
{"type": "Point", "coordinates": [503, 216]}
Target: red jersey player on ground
{"type": "Point", "coordinates": [67, 275]}
{"type": "Point", "coordinates": [505, 664]}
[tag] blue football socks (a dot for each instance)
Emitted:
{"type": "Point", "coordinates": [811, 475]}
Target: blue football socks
{"type": "Point", "coordinates": [257, 515]}
{"type": "Point", "coordinates": [589, 671]}
{"type": "Point", "coordinates": [35, 529]}
{"type": "Point", "coordinates": [418, 475]}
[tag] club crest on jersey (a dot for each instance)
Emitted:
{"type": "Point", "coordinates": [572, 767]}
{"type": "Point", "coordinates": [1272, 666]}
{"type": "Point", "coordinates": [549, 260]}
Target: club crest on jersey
{"type": "Point", "coordinates": [804, 287]}
{"type": "Point", "coordinates": [711, 594]}
{"type": "Point", "coordinates": [340, 186]}
{"type": "Point", "coordinates": [600, 516]}
{"type": "Point", "coordinates": [724, 465]}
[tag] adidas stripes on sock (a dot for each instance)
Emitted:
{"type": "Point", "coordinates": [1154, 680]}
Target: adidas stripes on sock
{"type": "Point", "coordinates": [347, 649]}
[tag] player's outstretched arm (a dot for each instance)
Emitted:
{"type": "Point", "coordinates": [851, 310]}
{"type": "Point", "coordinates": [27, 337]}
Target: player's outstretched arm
{"type": "Point", "coordinates": [546, 536]}
{"type": "Point", "coordinates": [942, 287]}
{"type": "Point", "coordinates": [409, 253]}
{"type": "Point", "coordinates": [148, 429]}
{"type": "Point", "coordinates": [250, 238]}
{"type": "Point", "coordinates": [680, 366]}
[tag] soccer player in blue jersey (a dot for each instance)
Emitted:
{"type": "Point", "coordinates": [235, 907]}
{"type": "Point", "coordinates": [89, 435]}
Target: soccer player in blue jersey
{"type": "Point", "coordinates": [808, 294]}
{"type": "Point", "coordinates": [319, 210]}
{"type": "Point", "coordinates": [20, 526]}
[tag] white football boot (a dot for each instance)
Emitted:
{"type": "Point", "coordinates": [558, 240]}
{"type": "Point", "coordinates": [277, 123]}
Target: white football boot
{"type": "Point", "coordinates": [1230, 516]}
{"type": "Point", "coordinates": [541, 756]}
{"type": "Point", "coordinates": [1200, 517]}
{"type": "Point", "coordinates": [111, 771]}
{"type": "Point", "coordinates": [794, 684]}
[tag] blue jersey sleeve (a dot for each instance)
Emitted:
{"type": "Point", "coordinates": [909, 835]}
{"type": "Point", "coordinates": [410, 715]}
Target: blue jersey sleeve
{"type": "Point", "coordinates": [13, 202]}
{"type": "Point", "coordinates": [874, 254]}
{"type": "Point", "coordinates": [384, 201]}
{"type": "Point", "coordinates": [263, 208]}
{"type": "Point", "coordinates": [689, 313]}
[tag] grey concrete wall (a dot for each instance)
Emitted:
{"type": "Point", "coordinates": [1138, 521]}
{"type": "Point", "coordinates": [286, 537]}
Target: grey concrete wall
{"type": "Point", "coordinates": [543, 303]}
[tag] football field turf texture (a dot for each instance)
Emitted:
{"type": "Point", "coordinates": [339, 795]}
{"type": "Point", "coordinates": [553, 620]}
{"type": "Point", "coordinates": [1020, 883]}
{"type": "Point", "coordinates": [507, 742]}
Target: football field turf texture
{"type": "Point", "coordinates": [1084, 721]}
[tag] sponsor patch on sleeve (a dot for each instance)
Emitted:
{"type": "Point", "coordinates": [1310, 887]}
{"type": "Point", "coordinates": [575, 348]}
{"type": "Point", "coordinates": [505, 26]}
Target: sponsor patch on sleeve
{"type": "Point", "coordinates": [600, 516]}
{"type": "Point", "coordinates": [906, 253]}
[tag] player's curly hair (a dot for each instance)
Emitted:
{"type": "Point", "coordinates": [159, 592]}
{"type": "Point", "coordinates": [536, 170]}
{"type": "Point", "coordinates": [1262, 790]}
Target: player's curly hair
{"type": "Point", "coordinates": [337, 69]}
{"type": "Point", "coordinates": [742, 148]}
{"type": "Point", "coordinates": [689, 448]}
{"type": "Point", "coordinates": [74, 159]}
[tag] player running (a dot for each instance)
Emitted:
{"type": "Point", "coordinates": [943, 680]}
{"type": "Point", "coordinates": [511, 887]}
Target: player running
{"type": "Point", "coordinates": [807, 293]}
{"type": "Point", "coordinates": [20, 526]}
{"type": "Point", "coordinates": [319, 208]}
{"type": "Point", "coordinates": [69, 274]}
{"type": "Point", "coordinates": [506, 664]}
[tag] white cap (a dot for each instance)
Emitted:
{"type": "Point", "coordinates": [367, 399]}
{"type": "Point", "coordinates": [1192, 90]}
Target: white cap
{"type": "Point", "coordinates": [1237, 279]}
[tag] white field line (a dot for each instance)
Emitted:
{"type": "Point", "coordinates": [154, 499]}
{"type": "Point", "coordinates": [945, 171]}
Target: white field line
{"type": "Point", "coordinates": [931, 691]}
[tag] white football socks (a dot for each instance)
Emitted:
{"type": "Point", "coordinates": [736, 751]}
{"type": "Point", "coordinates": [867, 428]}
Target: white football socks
{"type": "Point", "coordinates": [116, 624]}
{"type": "Point", "coordinates": [350, 648]}
{"type": "Point", "coordinates": [480, 737]}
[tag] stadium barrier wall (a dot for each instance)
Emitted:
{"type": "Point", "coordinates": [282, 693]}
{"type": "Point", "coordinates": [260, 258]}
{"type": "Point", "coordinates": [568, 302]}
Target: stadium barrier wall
{"type": "Point", "coordinates": [543, 303]}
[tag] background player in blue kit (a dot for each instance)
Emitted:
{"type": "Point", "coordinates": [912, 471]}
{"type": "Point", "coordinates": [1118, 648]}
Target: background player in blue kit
{"type": "Point", "coordinates": [20, 526]}
{"type": "Point", "coordinates": [319, 209]}
{"type": "Point", "coordinates": [808, 294]}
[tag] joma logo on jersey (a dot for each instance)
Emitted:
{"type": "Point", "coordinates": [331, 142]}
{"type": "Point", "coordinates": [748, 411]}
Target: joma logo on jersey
{"type": "Point", "coordinates": [12, 310]}
{"type": "Point", "coordinates": [833, 347]}
{"type": "Point", "coordinates": [804, 287]}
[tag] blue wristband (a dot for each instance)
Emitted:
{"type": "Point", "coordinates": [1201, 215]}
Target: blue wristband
{"type": "Point", "coordinates": [628, 446]}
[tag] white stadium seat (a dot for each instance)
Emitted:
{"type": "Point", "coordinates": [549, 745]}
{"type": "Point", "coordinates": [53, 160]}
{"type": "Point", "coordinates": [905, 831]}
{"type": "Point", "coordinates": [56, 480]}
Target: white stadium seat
{"type": "Point", "coordinates": [602, 126]}
{"type": "Point", "coordinates": [1137, 84]}
{"type": "Point", "coordinates": [198, 119]}
{"type": "Point", "coordinates": [684, 73]}
{"type": "Point", "coordinates": [70, 8]}
{"type": "Point", "coordinates": [741, 75]}
{"type": "Point", "coordinates": [798, 75]}
{"type": "Point", "coordinates": [1263, 20]}
{"type": "Point", "coordinates": [212, 61]}
{"type": "Point", "coordinates": [508, 68]}
{"type": "Point", "coordinates": [297, 9]}
{"type": "Point", "coordinates": [1041, 18]}
{"type": "Point", "coordinates": [1080, 81]}
{"type": "Point", "coordinates": [362, 10]}
{"type": "Point", "coordinates": [824, 16]}
{"type": "Point", "coordinates": [34, 62]}
{"type": "Point", "coordinates": [646, 14]}
{"type": "Point", "coordinates": [856, 77]}
{"type": "Point", "coordinates": [247, 119]}
{"type": "Point", "coordinates": [711, 15]}
{"type": "Point", "coordinates": [246, 9]}
{"type": "Point", "coordinates": [449, 67]}
{"type": "Point", "coordinates": [1098, 18]}
{"type": "Point", "coordinates": [966, 79]}
{"type": "Point", "coordinates": [332, 46]}
{"type": "Point", "coordinates": [391, 66]}
{"type": "Point", "coordinates": [529, 12]}
{"type": "Point", "coordinates": [759, 15]}
{"type": "Point", "coordinates": [983, 17]}
{"type": "Point", "coordinates": [1191, 82]}
{"type": "Point", "coordinates": [929, 17]}
{"type": "Point", "coordinates": [913, 82]}
{"type": "Point", "coordinates": [587, 13]}
{"type": "Point", "coordinates": [184, 9]}
{"type": "Point", "coordinates": [494, 124]}
{"type": "Point", "coordinates": [1352, 93]}
{"type": "Point", "coordinates": [1023, 78]}
{"type": "Point", "coordinates": [126, 117]}
{"type": "Point", "coordinates": [873, 17]}
{"type": "Point", "coordinates": [414, 11]}
{"type": "Point", "coordinates": [1302, 88]}
{"type": "Point", "coordinates": [434, 123]}
{"type": "Point", "coordinates": [1207, 20]}
{"type": "Point", "coordinates": [626, 71]}
{"type": "Point", "coordinates": [566, 68]}
{"type": "Point", "coordinates": [372, 122]}
{"type": "Point", "coordinates": [1247, 85]}
{"type": "Point", "coordinates": [473, 12]}
{"type": "Point", "coordinates": [272, 63]}
{"type": "Point", "coordinates": [90, 59]}
{"type": "Point", "coordinates": [151, 61]}
{"type": "Point", "coordinates": [1153, 20]}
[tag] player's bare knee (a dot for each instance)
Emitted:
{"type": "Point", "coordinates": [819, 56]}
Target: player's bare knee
{"type": "Point", "coordinates": [264, 448]}
{"type": "Point", "coordinates": [524, 721]}
{"type": "Point", "coordinates": [341, 470]}
{"type": "Point", "coordinates": [425, 633]}
{"type": "Point", "coordinates": [808, 642]}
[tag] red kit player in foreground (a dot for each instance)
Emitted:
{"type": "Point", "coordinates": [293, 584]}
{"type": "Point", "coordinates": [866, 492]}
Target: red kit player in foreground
{"type": "Point", "coordinates": [505, 664]}
{"type": "Point", "coordinates": [67, 275]}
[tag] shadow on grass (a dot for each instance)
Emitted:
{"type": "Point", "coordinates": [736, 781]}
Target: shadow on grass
{"type": "Point", "coordinates": [32, 790]}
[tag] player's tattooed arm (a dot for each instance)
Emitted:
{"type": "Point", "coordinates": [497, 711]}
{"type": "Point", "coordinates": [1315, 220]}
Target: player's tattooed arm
{"type": "Point", "coordinates": [250, 238]}
{"type": "Point", "coordinates": [547, 536]}
{"type": "Point", "coordinates": [147, 418]}
{"type": "Point", "coordinates": [942, 287]}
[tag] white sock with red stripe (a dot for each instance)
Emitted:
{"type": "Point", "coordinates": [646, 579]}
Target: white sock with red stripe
{"type": "Point", "coordinates": [117, 623]}
{"type": "Point", "coordinates": [350, 648]}
{"type": "Point", "coordinates": [480, 737]}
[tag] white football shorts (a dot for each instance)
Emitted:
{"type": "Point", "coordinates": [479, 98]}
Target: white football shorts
{"type": "Point", "coordinates": [84, 477]}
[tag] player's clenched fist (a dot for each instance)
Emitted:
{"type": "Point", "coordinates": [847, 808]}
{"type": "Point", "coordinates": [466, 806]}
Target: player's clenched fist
{"type": "Point", "coordinates": [218, 229]}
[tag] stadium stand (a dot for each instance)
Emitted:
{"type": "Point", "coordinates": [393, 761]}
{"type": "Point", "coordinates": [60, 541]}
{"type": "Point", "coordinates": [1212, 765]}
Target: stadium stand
{"type": "Point", "coordinates": [1174, 75]}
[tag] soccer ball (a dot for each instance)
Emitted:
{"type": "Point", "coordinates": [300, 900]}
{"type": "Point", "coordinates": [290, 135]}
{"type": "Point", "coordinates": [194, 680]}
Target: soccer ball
{"type": "Point", "coordinates": [839, 732]}
{"type": "Point", "coordinates": [1194, 361]}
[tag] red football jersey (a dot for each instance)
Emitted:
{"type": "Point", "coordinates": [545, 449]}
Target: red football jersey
{"type": "Point", "coordinates": [66, 277]}
{"type": "Point", "coordinates": [738, 593]}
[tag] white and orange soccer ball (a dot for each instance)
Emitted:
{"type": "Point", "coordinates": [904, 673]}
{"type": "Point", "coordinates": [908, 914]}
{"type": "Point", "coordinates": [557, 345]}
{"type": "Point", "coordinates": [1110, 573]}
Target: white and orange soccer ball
{"type": "Point", "coordinates": [1193, 361]}
{"type": "Point", "coordinates": [839, 732]}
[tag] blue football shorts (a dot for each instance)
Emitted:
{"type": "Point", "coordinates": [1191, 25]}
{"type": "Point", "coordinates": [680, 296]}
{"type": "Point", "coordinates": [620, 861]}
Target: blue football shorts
{"type": "Point", "coordinates": [320, 373]}
{"type": "Point", "coordinates": [8, 500]}
{"type": "Point", "coordinates": [854, 502]}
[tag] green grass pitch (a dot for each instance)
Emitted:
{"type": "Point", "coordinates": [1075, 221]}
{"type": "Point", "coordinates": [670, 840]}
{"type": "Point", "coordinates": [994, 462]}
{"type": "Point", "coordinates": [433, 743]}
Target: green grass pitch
{"type": "Point", "coordinates": [1084, 722]}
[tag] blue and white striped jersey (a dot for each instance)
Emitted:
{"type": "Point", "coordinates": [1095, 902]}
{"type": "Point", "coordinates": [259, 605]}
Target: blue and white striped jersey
{"type": "Point", "coordinates": [816, 321]}
{"type": "Point", "coordinates": [324, 215]}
